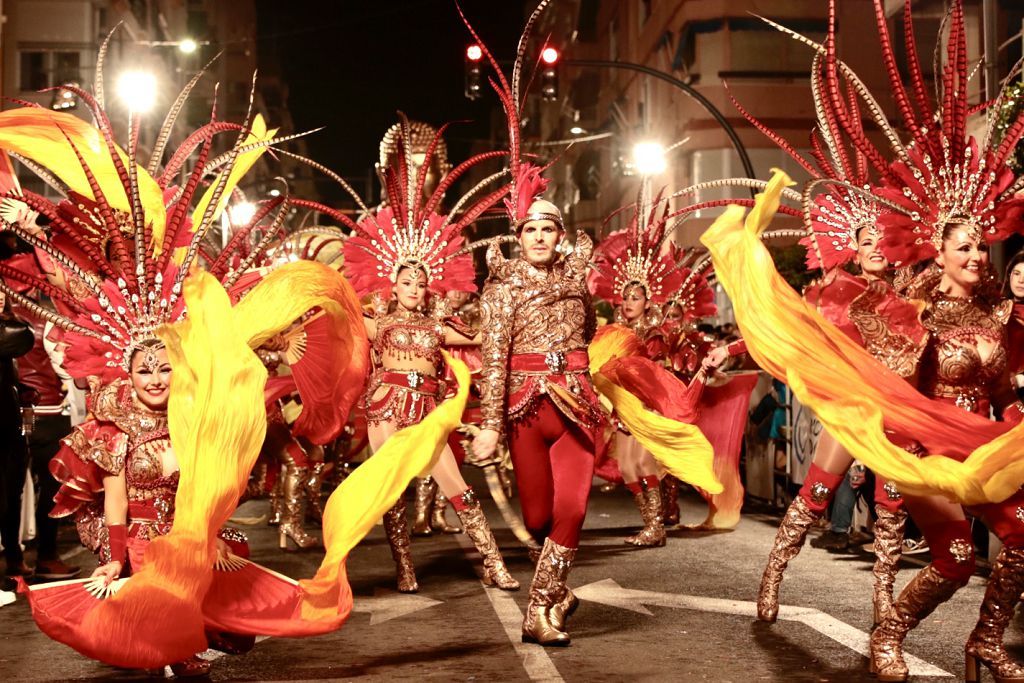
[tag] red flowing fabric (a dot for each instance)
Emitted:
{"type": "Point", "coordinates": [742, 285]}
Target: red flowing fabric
{"type": "Point", "coordinates": [723, 416]}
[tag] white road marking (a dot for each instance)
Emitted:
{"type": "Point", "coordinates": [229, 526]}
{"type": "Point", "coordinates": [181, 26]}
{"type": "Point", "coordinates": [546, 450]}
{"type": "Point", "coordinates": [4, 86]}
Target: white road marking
{"type": "Point", "coordinates": [536, 662]}
{"type": "Point", "coordinates": [608, 592]}
{"type": "Point", "coordinates": [386, 605]}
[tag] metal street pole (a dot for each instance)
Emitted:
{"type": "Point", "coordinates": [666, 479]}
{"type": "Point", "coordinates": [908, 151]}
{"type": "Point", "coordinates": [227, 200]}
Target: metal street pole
{"type": "Point", "coordinates": [748, 167]}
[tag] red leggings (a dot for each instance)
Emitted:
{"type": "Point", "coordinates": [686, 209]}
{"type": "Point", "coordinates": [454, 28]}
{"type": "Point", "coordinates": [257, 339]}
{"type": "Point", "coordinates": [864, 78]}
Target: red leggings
{"type": "Point", "coordinates": [820, 486]}
{"type": "Point", "coordinates": [554, 464]}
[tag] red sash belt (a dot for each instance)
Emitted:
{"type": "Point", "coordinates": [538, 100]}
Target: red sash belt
{"type": "Point", "coordinates": [151, 510]}
{"type": "Point", "coordinates": [411, 379]}
{"type": "Point", "coordinates": [552, 362]}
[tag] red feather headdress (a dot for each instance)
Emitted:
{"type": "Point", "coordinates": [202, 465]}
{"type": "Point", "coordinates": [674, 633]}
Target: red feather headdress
{"type": "Point", "coordinates": [942, 175]}
{"type": "Point", "coordinates": [411, 232]}
{"type": "Point", "coordinates": [642, 254]}
{"type": "Point", "coordinates": [124, 238]}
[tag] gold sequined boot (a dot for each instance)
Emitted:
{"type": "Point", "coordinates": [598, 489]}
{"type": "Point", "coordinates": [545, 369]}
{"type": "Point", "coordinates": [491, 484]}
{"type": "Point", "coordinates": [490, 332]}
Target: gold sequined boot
{"type": "Point", "coordinates": [256, 487]}
{"type": "Point", "coordinates": [788, 541]}
{"type": "Point", "coordinates": [293, 497]}
{"type": "Point", "coordinates": [437, 518]}
{"type": "Point", "coordinates": [985, 645]}
{"type": "Point", "coordinates": [563, 609]}
{"type": "Point", "coordinates": [397, 529]}
{"type": "Point", "coordinates": [426, 487]}
{"type": "Point", "coordinates": [889, 529]}
{"type": "Point", "coordinates": [313, 485]}
{"type": "Point", "coordinates": [653, 533]}
{"type": "Point", "coordinates": [479, 531]}
{"type": "Point", "coordinates": [670, 500]}
{"type": "Point", "coordinates": [919, 598]}
{"type": "Point", "coordinates": [277, 500]}
{"type": "Point", "coordinates": [546, 590]}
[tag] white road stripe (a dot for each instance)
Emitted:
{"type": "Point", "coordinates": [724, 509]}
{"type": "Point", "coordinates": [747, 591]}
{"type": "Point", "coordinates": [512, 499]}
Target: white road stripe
{"type": "Point", "coordinates": [536, 662]}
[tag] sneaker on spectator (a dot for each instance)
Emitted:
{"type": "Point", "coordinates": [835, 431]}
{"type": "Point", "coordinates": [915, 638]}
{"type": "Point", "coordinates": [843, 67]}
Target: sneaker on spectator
{"type": "Point", "coordinates": [831, 541]}
{"type": "Point", "coordinates": [55, 569]}
{"type": "Point", "coordinates": [915, 546]}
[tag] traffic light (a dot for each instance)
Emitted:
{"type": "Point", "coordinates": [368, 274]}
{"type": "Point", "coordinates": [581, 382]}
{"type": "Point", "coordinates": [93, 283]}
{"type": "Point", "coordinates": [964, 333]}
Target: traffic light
{"type": "Point", "coordinates": [474, 57]}
{"type": "Point", "coordinates": [549, 57]}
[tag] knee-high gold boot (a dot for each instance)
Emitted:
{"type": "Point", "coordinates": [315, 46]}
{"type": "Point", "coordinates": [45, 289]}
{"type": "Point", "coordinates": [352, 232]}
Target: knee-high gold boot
{"type": "Point", "coordinates": [313, 485]}
{"type": "Point", "coordinates": [889, 529]}
{"type": "Point", "coordinates": [479, 531]}
{"type": "Point", "coordinates": [277, 500]}
{"type": "Point", "coordinates": [547, 589]}
{"type": "Point", "coordinates": [919, 598]}
{"type": "Point", "coordinates": [788, 541]}
{"type": "Point", "coordinates": [670, 500]}
{"type": "Point", "coordinates": [437, 518]}
{"type": "Point", "coordinates": [653, 533]}
{"type": "Point", "coordinates": [426, 487]}
{"type": "Point", "coordinates": [293, 514]}
{"type": "Point", "coordinates": [985, 645]}
{"type": "Point", "coordinates": [397, 529]}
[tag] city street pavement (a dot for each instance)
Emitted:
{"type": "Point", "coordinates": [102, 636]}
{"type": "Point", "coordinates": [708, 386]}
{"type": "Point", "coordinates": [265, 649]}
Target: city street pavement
{"type": "Point", "coordinates": [683, 612]}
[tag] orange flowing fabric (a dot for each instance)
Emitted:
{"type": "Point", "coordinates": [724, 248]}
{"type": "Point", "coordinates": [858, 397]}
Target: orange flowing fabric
{"type": "Point", "coordinates": [723, 416]}
{"type": "Point", "coordinates": [973, 461]}
{"type": "Point", "coordinates": [636, 387]}
{"type": "Point", "coordinates": [217, 422]}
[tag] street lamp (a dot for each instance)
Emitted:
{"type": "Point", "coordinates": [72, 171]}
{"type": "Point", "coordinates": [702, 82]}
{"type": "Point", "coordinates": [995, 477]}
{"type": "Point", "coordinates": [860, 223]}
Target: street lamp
{"type": "Point", "coordinates": [649, 158]}
{"type": "Point", "coordinates": [188, 46]}
{"type": "Point", "coordinates": [241, 213]}
{"type": "Point", "coordinates": [138, 90]}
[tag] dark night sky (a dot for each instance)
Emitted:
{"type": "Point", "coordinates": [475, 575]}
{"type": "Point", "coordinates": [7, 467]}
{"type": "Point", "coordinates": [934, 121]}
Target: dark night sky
{"type": "Point", "coordinates": [350, 64]}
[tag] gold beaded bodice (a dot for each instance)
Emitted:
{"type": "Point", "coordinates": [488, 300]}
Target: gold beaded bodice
{"type": "Point", "coordinates": [967, 356]}
{"type": "Point", "coordinates": [407, 335]}
{"type": "Point", "coordinates": [148, 441]}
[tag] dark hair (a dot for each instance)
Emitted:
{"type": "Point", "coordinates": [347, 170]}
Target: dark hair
{"type": "Point", "coordinates": [1017, 259]}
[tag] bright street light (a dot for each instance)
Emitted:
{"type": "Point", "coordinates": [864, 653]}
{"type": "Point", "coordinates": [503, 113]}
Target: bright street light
{"type": "Point", "coordinates": [649, 158]}
{"type": "Point", "coordinates": [241, 213]}
{"type": "Point", "coordinates": [138, 90]}
{"type": "Point", "coordinates": [577, 130]}
{"type": "Point", "coordinates": [188, 46]}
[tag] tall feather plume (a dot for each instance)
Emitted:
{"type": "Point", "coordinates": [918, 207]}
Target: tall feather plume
{"type": "Point", "coordinates": [172, 116]}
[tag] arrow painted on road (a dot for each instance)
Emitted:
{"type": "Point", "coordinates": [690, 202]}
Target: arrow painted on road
{"type": "Point", "coordinates": [386, 605]}
{"type": "Point", "coordinates": [608, 592]}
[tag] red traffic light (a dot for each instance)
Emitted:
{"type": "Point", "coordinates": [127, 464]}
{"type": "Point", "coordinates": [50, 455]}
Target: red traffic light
{"type": "Point", "coordinates": [549, 55]}
{"type": "Point", "coordinates": [474, 53]}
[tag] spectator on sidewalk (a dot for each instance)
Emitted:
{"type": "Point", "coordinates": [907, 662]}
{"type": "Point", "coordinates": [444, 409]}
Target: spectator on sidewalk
{"type": "Point", "coordinates": [47, 422]}
{"type": "Point", "coordinates": [16, 340]}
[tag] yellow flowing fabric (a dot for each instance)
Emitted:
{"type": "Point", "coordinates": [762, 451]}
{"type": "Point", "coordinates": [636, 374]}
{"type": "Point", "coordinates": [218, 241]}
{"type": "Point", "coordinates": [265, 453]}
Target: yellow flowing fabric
{"type": "Point", "coordinates": [217, 422]}
{"type": "Point", "coordinates": [35, 133]}
{"type": "Point", "coordinates": [849, 390]}
{"type": "Point", "coordinates": [364, 497]}
{"type": "Point", "coordinates": [680, 448]}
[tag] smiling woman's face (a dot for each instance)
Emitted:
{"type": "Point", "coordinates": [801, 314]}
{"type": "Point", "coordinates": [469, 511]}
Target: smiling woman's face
{"type": "Point", "coordinates": [151, 377]}
{"type": "Point", "coordinates": [963, 258]}
{"type": "Point", "coordinates": [870, 258]}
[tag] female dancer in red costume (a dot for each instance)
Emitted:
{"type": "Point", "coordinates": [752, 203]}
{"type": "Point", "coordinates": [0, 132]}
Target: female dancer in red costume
{"type": "Point", "coordinates": [841, 229]}
{"type": "Point", "coordinates": [126, 446]}
{"type": "Point", "coordinates": [405, 250]}
{"type": "Point", "coordinates": [632, 272]}
{"type": "Point", "coordinates": [945, 197]}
